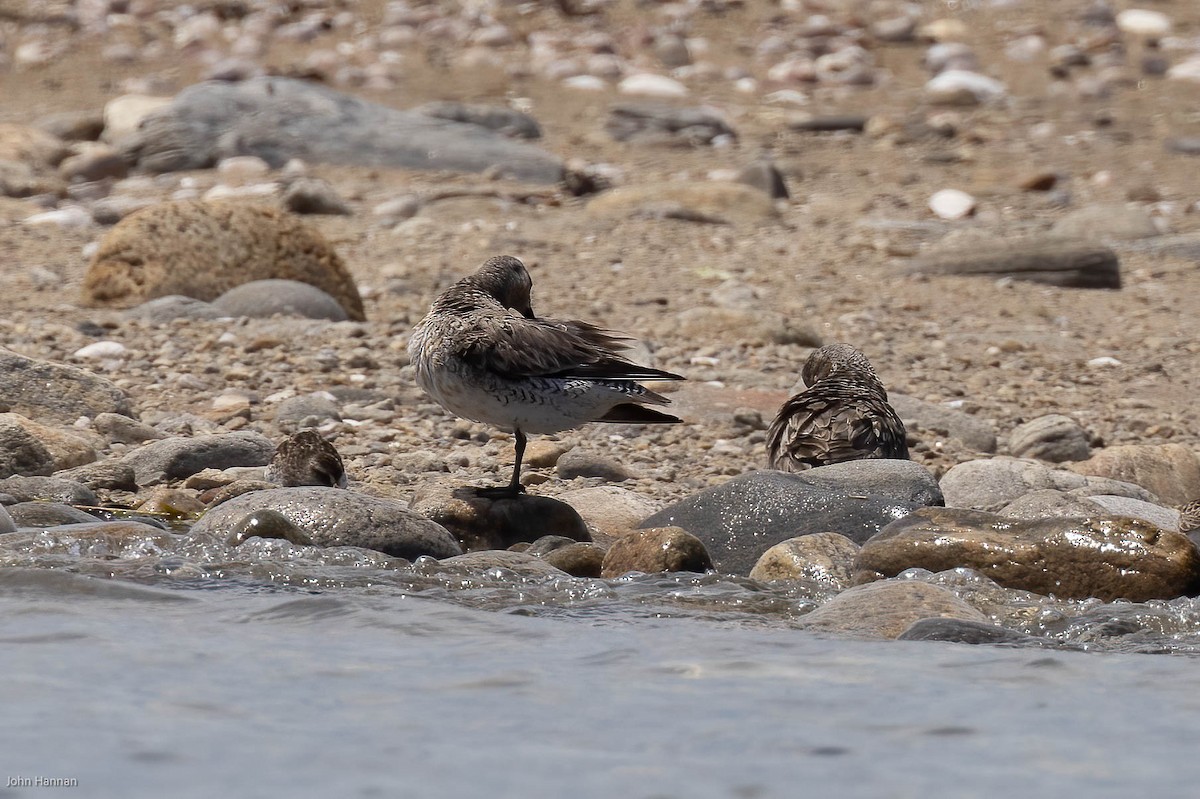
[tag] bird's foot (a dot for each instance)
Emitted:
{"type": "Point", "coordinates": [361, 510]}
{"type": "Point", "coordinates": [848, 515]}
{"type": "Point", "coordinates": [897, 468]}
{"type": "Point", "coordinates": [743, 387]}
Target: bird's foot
{"type": "Point", "coordinates": [500, 492]}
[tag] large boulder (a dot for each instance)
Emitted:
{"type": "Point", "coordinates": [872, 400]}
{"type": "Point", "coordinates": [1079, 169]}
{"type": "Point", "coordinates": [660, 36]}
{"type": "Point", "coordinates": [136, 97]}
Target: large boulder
{"type": "Point", "coordinates": [203, 249]}
{"type": "Point", "coordinates": [333, 517]}
{"type": "Point", "coordinates": [278, 119]}
{"type": "Point", "coordinates": [1109, 557]}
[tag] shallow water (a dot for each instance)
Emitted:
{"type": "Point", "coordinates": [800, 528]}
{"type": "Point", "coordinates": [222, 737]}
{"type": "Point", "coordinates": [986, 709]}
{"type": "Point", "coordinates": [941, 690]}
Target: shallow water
{"type": "Point", "coordinates": [275, 669]}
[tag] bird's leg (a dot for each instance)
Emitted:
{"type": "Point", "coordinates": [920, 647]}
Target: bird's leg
{"type": "Point", "coordinates": [514, 487]}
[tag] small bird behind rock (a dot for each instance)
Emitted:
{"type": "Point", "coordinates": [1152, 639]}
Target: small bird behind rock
{"type": "Point", "coordinates": [482, 354]}
{"type": "Point", "coordinates": [307, 459]}
{"type": "Point", "coordinates": [1189, 516]}
{"type": "Point", "coordinates": [843, 415]}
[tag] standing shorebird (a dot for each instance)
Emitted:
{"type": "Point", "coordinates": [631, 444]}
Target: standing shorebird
{"type": "Point", "coordinates": [307, 459]}
{"type": "Point", "coordinates": [843, 415]}
{"type": "Point", "coordinates": [482, 355]}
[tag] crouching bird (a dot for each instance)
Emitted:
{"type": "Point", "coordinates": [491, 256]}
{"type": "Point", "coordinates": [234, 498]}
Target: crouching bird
{"type": "Point", "coordinates": [843, 415]}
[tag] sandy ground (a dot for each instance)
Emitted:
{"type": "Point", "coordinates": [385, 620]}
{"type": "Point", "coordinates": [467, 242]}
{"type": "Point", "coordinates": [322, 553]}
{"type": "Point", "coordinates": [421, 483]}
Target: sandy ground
{"type": "Point", "coordinates": [1009, 352]}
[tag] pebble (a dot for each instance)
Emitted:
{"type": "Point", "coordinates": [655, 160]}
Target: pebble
{"type": "Point", "coordinates": [1144, 22]}
{"type": "Point", "coordinates": [651, 85]}
{"type": "Point", "coordinates": [952, 204]}
{"type": "Point", "coordinates": [960, 87]}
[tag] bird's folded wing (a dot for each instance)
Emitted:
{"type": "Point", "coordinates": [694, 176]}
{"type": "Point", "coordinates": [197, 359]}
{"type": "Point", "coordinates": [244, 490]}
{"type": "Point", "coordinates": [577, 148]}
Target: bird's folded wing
{"type": "Point", "coordinates": [513, 346]}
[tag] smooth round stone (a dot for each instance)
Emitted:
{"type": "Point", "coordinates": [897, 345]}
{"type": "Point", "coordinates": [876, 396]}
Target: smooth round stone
{"type": "Point", "coordinates": [265, 298]}
{"type": "Point", "coordinates": [886, 609]}
{"type": "Point", "coordinates": [822, 558]}
{"type": "Point", "coordinates": [174, 306]}
{"type": "Point", "coordinates": [47, 514]}
{"type": "Point", "coordinates": [651, 85]}
{"type": "Point", "coordinates": [1144, 22]}
{"type": "Point", "coordinates": [952, 204]}
{"type": "Point", "coordinates": [72, 217]}
{"type": "Point", "coordinates": [482, 523]}
{"type": "Point", "coordinates": [101, 349]}
{"type": "Point", "coordinates": [577, 558]}
{"type": "Point", "coordinates": [240, 170]}
{"type": "Point", "coordinates": [1055, 438]}
{"type": "Point", "coordinates": [587, 83]}
{"type": "Point", "coordinates": [579, 463]}
{"type": "Point", "coordinates": [1188, 70]}
{"type": "Point", "coordinates": [656, 549]}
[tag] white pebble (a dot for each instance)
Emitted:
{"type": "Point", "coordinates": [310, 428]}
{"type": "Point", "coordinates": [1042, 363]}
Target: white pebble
{"type": "Point", "coordinates": [101, 349]}
{"type": "Point", "coordinates": [787, 97]}
{"type": "Point", "coordinates": [652, 85]}
{"type": "Point", "coordinates": [1103, 361]}
{"type": "Point", "coordinates": [1186, 70]}
{"type": "Point", "coordinates": [958, 85]}
{"type": "Point", "coordinates": [588, 83]}
{"type": "Point", "coordinates": [70, 217]}
{"type": "Point", "coordinates": [228, 402]}
{"type": "Point", "coordinates": [221, 192]}
{"type": "Point", "coordinates": [1143, 22]}
{"type": "Point", "coordinates": [952, 204]}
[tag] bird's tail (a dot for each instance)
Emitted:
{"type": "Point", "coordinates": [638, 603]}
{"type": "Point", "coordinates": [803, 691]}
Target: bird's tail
{"type": "Point", "coordinates": [629, 413]}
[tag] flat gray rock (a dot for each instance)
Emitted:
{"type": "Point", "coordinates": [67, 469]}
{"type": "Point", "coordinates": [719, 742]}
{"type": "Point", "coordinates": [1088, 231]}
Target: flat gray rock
{"type": "Point", "coordinates": [161, 310]}
{"type": "Point", "coordinates": [741, 519]}
{"type": "Point", "coordinates": [1052, 260]}
{"type": "Point", "coordinates": [47, 391]}
{"type": "Point", "coordinates": [278, 119]}
{"type": "Point", "coordinates": [6, 521]}
{"type": "Point", "coordinates": [333, 517]}
{"type": "Point", "coordinates": [180, 457]}
{"type": "Point", "coordinates": [663, 122]}
{"type": "Point", "coordinates": [47, 514]}
{"type": "Point", "coordinates": [905, 481]}
{"type": "Point", "coordinates": [496, 118]}
{"type": "Point", "coordinates": [1107, 222]}
{"type": "Point", "coordinates": [1166, 518]}
{"type": "Point", "coordinates": [261, 299]}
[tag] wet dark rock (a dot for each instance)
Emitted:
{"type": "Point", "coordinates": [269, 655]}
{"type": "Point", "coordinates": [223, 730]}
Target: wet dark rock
{"type": "Point", "coordinates": [179, 457]}
{"type": "Point", "coordinates": [904, 481]}
{"type": "Point", "coordinates": [650, 122]}
{"type": "Point", "coordinates": [48, 489]}
{"type": "Point", "coordinates": [991, 483]}
{"type": "Point", "coordinates": [576, 558]}
{"type": "Point", "coordinates": [963, 631]}
{"type": "Point", "coordinates": [825, 559]}
{"type": "Point", "coordinates": [267, 523]}
{"type": "Point", "coordinates": [334, 517]}
{"type": "Point", "coordinates": [1056, 261]}
{"type": "Point", "coordinates": [278, 119]}
{"type": "Point", "coordinates": [49, 391]}
{"type": "Point", "coordinates": [657, 549]}
{"type": "Point", "coordinates": [886, 609]}
{"type": "Point", "coordinates": [495, 118]}
{"type": "Point", "coordinates": [261, 299]}
{"type": "Point", "coordinates": [742, 518]}
{"type": "Point", "coordinates": [482, 523]}
{"type": "Point", "coordinates": [1054, 438]}
{"type": "Point", "coordinates": [484, 560]}
{"type": "Point", "coordinates": [47, 514]}
{"type": "Point", "coordinates": [313, 196]}
{"type": "Point", "coordinates": [975, 433]}
{"type": "Point", "coordinates": [1108, 557]}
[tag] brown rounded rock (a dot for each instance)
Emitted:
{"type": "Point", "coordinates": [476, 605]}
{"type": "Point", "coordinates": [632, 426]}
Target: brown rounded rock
{"type": "Point", "coordinates": [578, 559]}
{"type": "Point", "coordinates": [1103, 556]}
{"type": "Point", "coordinates": [1170, 471]}
{"type": "Point", "coordinates": [203, 249]}
{"type": "Point", "coordinates": [886, 609]}
{"type": "Point", "coordinates": [823, 558]}
{"type": "Point", "coordinates": [656, 549]}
